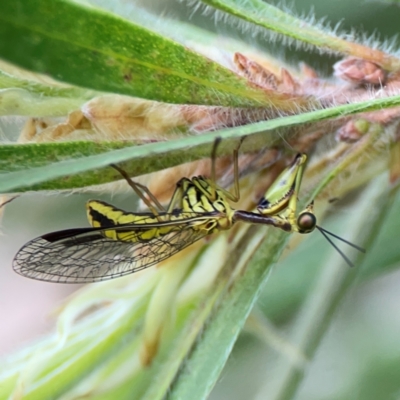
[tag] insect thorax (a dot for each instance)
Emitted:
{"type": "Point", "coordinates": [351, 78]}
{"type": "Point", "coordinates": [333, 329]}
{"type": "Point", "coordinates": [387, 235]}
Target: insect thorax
{"type": "Point", "coordinates": [200, 196]}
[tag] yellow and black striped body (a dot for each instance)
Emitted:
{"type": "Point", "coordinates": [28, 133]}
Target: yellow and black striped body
{"type": "Point", "coordinates": [103, 215]}
{"type": "Point", "coordinates": [200, 196]}
{"type": "Point", "coordinates": [194, 204]}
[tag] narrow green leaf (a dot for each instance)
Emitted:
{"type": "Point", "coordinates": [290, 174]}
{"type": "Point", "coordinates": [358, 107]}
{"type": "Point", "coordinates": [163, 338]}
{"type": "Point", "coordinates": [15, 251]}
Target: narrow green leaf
{"type": "Point", "coordinates": [202, 368]}
{"type": "Point", "coordinates": [274, 19]}
{"type": "Point", "coordinates": [21, 161]}
{"type": "Point", "coordinates": [8, 81]}
{"type": "Point", "coordinates": [21, 102]}
{"type": "Point", "coordinates": [31, 98]}
{"type": "Point", "coordinates": [92, 48]}
{"type": "Point", "coordinates": [28, 97]}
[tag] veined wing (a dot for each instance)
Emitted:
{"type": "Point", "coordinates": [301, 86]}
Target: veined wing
{"type": "Point", "coordinates": [87, 255]}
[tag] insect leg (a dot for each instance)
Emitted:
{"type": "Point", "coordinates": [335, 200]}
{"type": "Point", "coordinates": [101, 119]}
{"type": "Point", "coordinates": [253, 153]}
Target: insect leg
{"type": "Point", "coordinates": [217, 141]}
{"type": "Point", "coordinates": [176, 200]}
{"type": "Point", "coordinates": [231, 196]}
{"type": "Point", "coordinates": [135, 186]}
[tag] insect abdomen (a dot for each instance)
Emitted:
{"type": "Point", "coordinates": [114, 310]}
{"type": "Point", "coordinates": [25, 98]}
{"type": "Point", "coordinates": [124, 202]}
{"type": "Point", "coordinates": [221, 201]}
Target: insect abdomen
{"type": "Point", "coordinates": [103, 215]}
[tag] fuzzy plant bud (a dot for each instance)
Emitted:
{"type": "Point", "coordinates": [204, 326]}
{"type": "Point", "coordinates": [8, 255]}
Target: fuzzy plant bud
{"type": "Point", "coordinates": [353, 130]}
{"type": "Point", "coordinates": [360, 72]}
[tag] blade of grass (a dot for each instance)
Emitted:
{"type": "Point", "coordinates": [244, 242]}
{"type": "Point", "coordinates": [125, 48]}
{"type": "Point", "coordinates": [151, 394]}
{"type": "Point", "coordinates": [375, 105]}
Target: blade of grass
{"type": "Point", "coordinates": [264, 134]}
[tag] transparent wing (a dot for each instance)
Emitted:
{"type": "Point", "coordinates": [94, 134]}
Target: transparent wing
{"type": "Point", "coordinates": [85, 255]}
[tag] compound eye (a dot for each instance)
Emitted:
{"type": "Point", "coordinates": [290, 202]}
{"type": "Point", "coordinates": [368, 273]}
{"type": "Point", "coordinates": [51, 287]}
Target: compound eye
{"type": "Point", "coordinates": [306, 222]}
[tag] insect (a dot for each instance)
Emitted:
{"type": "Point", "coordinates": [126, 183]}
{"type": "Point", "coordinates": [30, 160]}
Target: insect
{"type": "Point", "coordinates": [120, 243]}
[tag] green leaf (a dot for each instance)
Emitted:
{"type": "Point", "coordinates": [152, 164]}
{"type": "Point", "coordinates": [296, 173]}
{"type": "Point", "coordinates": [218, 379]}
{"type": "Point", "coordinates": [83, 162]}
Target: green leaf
{"type": "Point", "coordinates": [260, 13]}
{"type": "Point", "coordinates": [92, 48]}
{"type": "Point", "coordinates": [21, 161]}
{"type": "Point", "coordinates": [30, 98]}
{"type": "Point", "coordinates": [203, 366]}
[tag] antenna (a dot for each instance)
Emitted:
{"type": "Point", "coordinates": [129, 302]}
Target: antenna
{"type": "Point", "coordinates": [325, 233]}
